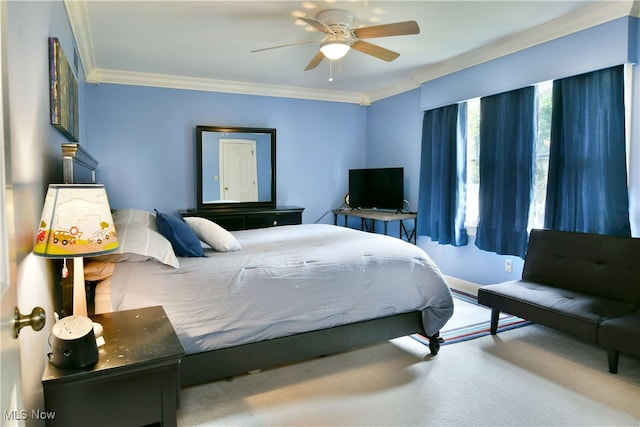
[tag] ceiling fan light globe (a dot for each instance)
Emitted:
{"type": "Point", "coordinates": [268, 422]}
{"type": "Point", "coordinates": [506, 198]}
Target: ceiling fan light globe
{"type": "Point", "coordinates": [334, 50]}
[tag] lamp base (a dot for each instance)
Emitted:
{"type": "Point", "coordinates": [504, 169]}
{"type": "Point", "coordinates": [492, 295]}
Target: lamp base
{"type": "Point", "coordinates": [73, 343]}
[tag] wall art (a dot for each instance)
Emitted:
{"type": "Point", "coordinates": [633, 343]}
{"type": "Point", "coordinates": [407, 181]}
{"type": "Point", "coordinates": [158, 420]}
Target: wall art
{"type": "Point", "coordinates": [63, 92]}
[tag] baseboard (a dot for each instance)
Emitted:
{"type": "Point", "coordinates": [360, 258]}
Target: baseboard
{"type": "Point", "coordinates": [462, 285]}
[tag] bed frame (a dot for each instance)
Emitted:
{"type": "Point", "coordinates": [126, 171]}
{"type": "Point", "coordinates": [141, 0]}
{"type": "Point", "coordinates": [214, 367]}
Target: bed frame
{"type": "Point", "coordinates": [214, 365]}
{"type": "Point", "coordinates": [228, 362]}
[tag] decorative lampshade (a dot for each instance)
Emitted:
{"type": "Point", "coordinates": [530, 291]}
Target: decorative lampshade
{"type": "Point", "coordinates": [76, 222]}
{"type": "Point", "coordinates": [333, 49]}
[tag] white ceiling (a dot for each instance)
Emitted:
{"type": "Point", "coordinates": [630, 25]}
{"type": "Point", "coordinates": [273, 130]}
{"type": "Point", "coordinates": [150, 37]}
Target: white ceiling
{"type": "Point", "coordinates": [206, 45]}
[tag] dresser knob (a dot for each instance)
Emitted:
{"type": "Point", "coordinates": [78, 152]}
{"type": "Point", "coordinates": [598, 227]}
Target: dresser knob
{"type": "Point", "coordinates": [275, 222]}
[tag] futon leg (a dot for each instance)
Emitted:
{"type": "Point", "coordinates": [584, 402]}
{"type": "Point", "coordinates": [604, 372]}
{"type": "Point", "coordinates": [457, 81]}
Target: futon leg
{"type": "Point", "coordinates": [613, 361]}
{"type": "Point", "coordinates": [495, 315]}
{"type": "Point", "coordinates": [434, 343]}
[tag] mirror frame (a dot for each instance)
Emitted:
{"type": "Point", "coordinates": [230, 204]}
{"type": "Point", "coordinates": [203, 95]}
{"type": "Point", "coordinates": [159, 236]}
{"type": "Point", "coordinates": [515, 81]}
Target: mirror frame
{"type": "Point", "coordinates": [234, 205]}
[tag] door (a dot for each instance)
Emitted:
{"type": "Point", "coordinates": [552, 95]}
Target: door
{"type": "Point", "coordinates": [11, 393]}
{"type": "Point", "coordinates": [238, 170]}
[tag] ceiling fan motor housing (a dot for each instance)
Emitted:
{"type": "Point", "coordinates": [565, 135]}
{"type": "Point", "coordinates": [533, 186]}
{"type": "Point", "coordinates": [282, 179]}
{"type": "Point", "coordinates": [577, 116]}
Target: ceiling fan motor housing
{"type": "Point", "coordinates": [340, 22]}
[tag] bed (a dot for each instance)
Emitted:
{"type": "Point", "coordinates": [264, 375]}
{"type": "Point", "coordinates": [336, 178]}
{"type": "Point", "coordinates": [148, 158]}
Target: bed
{"type": "Point", "coordinates": [272, 296]}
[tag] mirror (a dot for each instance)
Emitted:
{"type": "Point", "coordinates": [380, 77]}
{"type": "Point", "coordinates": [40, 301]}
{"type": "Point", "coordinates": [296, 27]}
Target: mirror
{"type": "Point", "coordinates": [236, 167]}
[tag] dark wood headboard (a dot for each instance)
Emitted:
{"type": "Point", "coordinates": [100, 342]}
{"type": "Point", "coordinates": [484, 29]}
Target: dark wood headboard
{"type": "Point", "coordinates": [78, 167]}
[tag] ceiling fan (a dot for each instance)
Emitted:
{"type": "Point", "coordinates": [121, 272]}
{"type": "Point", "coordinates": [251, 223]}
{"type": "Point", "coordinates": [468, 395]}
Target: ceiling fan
{"type": "Point", "coordinates": [340, 37]}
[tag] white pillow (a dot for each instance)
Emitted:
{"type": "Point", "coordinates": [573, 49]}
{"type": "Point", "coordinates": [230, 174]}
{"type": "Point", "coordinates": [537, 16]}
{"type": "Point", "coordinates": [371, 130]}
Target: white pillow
{"type": "Point", "coordinates": [138, 243]}
{"type": "Point", "coordinates": [134, 216]}
{"type": "Point", "coordinates": [212, 234]}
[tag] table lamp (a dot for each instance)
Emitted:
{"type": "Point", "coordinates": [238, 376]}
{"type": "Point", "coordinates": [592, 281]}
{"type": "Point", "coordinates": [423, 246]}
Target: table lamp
{"type": "Point", "coordinates": [76, 223]}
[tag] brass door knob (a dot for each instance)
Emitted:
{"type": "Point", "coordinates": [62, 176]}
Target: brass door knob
{"type": "Point", "coordinates": [36, 320]}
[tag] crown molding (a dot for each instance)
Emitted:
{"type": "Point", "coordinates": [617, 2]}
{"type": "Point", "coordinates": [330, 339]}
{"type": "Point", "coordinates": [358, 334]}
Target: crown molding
{"type": "Point", "coordinates": [599, 13]}
{"type": "Point", "coordinates": [398, 87]}
{"type": "Point", "coordinates": [79, 21]}
{"type": "Point", "coordinates": [590, 16]}
{"type": "Point", "coordinates": [98, 76]}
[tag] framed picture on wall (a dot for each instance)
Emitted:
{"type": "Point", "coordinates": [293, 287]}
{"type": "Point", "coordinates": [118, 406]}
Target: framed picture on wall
{"type": "Point", "coordinates": [63, 92]}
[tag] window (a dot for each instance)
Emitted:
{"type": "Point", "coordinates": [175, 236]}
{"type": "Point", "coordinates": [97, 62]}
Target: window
{"type": "Point", "coordinates": [473, 164]}
{"type": "Point", "coordinates": [536, 216]}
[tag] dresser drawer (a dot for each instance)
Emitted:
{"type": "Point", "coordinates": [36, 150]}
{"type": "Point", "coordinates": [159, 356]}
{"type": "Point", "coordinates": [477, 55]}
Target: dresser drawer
{"type": "Point", "coordinates": [243, 219]}
{"type": "Point", "coordinates": [274, 219]}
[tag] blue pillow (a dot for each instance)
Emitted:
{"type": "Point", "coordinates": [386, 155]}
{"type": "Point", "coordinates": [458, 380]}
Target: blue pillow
{"type": "Point", "coordinates": [183, 239]}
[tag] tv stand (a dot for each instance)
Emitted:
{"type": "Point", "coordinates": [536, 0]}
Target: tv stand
{"type": "Point", "coordinates": [368, 218]}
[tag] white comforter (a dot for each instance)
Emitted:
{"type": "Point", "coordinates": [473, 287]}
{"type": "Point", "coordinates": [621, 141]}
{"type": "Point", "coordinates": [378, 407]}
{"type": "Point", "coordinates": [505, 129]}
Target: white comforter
{"type": "Point", "coordinates": [287, 280]}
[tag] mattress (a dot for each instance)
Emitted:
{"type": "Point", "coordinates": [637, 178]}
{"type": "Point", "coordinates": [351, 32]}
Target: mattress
{"type": "Point", "coordinates": [286, 280]}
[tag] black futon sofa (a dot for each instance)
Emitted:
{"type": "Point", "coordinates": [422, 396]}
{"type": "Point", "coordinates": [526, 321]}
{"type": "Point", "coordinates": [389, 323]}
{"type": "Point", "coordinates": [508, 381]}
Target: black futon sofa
{"type": "Point", "coordinates": [586, 285]}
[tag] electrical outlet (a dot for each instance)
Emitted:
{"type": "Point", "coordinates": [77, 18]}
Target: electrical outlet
{"type": "Point", "coordinates": [508, 265]}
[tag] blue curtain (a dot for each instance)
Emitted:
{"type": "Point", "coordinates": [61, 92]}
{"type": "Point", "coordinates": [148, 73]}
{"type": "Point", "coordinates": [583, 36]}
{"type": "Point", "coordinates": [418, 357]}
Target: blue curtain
{"type": "Point", "coordinates": [443, 175]}
{"type": "Point", "coordinates": [507, 151]}
{"type": "Point", "coordinates": [587, 184]}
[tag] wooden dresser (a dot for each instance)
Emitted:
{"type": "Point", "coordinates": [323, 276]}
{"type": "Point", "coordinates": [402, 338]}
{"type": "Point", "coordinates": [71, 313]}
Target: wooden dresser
{"type": "Point", "coordinates": [244, 218]}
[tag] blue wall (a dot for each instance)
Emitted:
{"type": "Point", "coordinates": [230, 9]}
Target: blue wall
{"type": "Point", "coordinates": [144, 139]}
{"type": "Point", "coordinates": [394, 128]}
{"type": "Point", "coordinates": [598, 47]}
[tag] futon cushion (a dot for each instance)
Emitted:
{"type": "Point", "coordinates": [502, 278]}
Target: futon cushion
{"type": "Point", "coordinates": [621, 334]}
{"type": "Point", "coordinates": [563, 309]}
{"type": "Point", "coordinates": [184, 241]}
{"type": "Point", "coordinates": [599, 265]}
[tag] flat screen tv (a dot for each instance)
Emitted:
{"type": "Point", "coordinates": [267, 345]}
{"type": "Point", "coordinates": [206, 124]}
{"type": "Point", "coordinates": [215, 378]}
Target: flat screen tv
{"type": "Point", "coordinates": [376, 188]}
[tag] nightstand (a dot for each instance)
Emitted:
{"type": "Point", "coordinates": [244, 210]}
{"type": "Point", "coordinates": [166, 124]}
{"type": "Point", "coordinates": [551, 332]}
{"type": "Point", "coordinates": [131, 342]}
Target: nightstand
{"type": "Point", "coordinates": [135, 381]}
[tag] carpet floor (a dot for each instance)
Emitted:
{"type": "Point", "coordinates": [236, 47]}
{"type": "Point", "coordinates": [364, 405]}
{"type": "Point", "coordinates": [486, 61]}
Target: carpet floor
{"type": "Point", "coordinates": [531, 376]}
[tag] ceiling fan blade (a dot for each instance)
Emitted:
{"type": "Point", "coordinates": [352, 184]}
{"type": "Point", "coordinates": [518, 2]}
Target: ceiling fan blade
{"type": "Point", "coordinates": [315, 61]}
{"type": "Point", "coordinates": [284, 45]}
{"type": "Point", "coordinates": [386, 30]}
{"type": "Point", "coordinates": [374, 50]}
{"type": "Point", "coordinates": [318, 25]}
